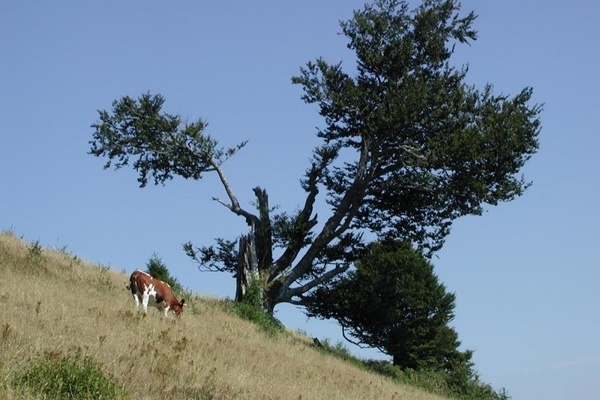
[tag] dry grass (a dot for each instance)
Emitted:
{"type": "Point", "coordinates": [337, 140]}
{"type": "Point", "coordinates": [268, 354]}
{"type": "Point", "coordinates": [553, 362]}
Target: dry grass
{"type": "Point", "coordinates": [52, 302]}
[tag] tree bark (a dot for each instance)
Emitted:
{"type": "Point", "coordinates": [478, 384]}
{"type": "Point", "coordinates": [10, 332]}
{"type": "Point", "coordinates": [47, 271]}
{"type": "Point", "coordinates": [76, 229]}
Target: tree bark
{"type": "Point", "coordinates": [247, 268]}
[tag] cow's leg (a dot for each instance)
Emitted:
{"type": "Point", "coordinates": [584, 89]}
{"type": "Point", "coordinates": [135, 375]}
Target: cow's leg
{"type": "Point", "coordinates": [145, 300]}
{"type": "Point", "coordinates": [137, 301]}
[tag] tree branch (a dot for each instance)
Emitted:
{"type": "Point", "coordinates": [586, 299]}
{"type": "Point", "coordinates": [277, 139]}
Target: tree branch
{"type": "Point", "coordinates": [251, 219]}
{"type": "Point", "coordinates": [297, 291]}
{"type": "Point", "coordinates": [303, 222]}
{"type": "Point", "coordinates": [351, 341]}
{"type": "Point", "coordinates": [347, 208]}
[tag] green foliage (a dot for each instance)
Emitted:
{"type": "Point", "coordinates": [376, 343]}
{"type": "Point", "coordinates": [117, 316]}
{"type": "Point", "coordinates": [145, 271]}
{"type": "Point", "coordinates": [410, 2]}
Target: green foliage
{"type": "Point", "coordinates": [222, 257]}
{"type": "Point", "coordinates": [72, 376]}
{"type": "Point", "coordinates": [161, 144]}
{"type": "Point", "coordinates": [394, 302]}
{"type": "Point", "coordinates": [437, 382]}
{"type": "Point", "coordinates": [251, 309]}
{"type": "Point", "coordinates": [408, 146]}
{"type": "Point", "coordinates": [431, 148]}
{"type": "Point", "coordinates": [157, 269]}
{"type": "Point", "coordinates": [265, 321]}
{"type": "Point", "coordinates": [253, 295]}
{"type": "Point", "coordinates": [339, 350]}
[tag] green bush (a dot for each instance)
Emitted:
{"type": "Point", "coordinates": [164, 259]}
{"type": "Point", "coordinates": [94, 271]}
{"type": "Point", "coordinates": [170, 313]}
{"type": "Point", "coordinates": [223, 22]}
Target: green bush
{"type": "Point", "coordinates": [267, 323]}
{"type": "Point", "coordinates": [439, 382]}
{"type": "Point", "coordinates": [36, 252]}
{"type": "Point", "coordinates": [71, 376]}
{"type": "Point", "coordinates": [338, 350]}
{"type": "Point", "coordinates": [251, 309]}
{"type": "Point", "coordinates": [157, 269]}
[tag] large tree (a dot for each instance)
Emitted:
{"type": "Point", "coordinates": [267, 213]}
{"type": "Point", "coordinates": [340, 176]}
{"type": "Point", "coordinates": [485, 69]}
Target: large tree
{"type": "Point", "coordinates": [393, 301]}
{"type": "Point", "coordinates": [407, 147]}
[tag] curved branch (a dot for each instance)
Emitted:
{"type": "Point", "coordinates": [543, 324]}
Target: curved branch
{"type": "Point", "coordinates": [297, 291]}
{"type": "Point", "coordinates": [234, 207]}
{"type": "Point", "coordinates": [359, 344]}
{"type": "Point", "coordinates": [303, 221]}
{"type": "Point", "coordinates": [341, 218]}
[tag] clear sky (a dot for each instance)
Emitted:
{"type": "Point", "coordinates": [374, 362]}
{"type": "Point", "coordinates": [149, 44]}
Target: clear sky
{"type": "Point", "coordinates": [525, 273]}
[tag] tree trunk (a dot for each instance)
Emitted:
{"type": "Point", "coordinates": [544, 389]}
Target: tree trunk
{"type": "Point", "coordinates": [247, 269]}
{"type": "Point", "coordinates": [250, 285]}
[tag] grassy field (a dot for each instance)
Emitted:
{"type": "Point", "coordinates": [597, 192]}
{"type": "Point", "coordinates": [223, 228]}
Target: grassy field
{"type": "Point", "coordinates": [58, 309]}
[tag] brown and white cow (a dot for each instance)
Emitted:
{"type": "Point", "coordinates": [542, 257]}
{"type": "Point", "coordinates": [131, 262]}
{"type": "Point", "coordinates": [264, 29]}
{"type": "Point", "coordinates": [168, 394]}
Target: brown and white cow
{"type": "Point", "coordinates": [154, 292]}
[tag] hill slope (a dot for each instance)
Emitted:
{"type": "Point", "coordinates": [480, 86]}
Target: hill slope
{"type": "Point", "coordinates": [51, 302]}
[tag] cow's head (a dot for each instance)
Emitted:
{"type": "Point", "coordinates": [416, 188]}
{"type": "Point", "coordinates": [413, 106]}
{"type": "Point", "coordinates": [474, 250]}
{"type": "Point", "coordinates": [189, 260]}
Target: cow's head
{"type": "Point", "coordinates": [178, 307]}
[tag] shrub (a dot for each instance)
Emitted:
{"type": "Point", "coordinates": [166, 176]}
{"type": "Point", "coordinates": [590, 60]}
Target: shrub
{"type": "Point", "coordinates": [36, 252]}
{"type": "Point", "coordinates": [251, 309]}
{"type": "Point", "coordinates": [72, 376]}
{"type": "Point", "coordinates": [443, 383]}
{"type": "Point", "coordinates": [338, 350]}
{"type": "Point", "coordinates": [157, 268]}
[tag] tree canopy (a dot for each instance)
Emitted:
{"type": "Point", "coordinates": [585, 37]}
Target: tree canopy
{"type": "Point", "coordinates": [393, 301]}
{"type": "Point", "coordinates": [407, 147]}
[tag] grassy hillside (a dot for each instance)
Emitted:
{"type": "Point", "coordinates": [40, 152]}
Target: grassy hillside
{"type": "Point", "coordinates": [55, 307]}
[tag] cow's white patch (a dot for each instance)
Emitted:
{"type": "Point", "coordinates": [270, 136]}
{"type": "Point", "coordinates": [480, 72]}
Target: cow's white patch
{"type": "Point", "coordinates": [149, 298]}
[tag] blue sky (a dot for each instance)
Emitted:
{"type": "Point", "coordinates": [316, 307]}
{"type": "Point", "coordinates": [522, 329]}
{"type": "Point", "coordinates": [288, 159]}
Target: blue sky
{"type": "Point", "coordinates": [525, 273]}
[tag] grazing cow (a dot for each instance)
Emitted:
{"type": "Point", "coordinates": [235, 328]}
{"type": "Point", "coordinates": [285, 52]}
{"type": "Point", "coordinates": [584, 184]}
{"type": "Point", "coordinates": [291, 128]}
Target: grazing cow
{"type": "Point", "coordinates": [151, 291]}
